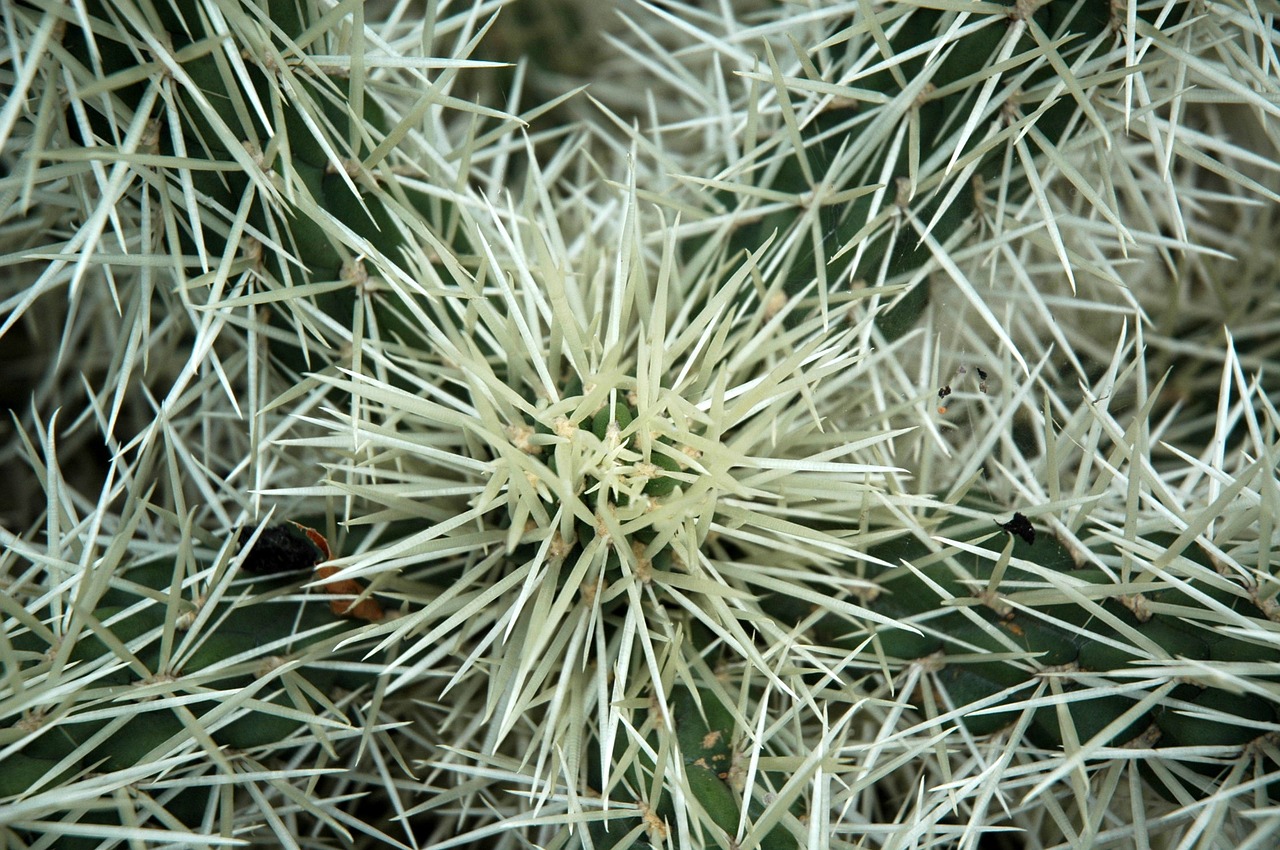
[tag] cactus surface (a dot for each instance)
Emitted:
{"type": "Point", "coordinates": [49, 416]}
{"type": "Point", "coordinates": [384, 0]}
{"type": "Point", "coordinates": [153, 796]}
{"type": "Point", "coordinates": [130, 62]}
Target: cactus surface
{"type": "Point", "coordinates": [777, 455]}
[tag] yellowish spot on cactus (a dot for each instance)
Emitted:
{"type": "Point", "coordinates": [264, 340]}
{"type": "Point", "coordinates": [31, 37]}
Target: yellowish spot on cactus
{"type": "Point", "coordinates": [654, 825]}
{"type": "Point", "coordinates": [647, 470]}
{"type": "Point", "coordinates": [31, 721]}
{"type": "Point", "coordinates": [993, 600]}
{"type": "Point", "coordinates": [255, 153]}
{"type": "Point", "coordinates": [1139, 605]}
{"type": "Point", "coordinates": [904, 191]}
{"type": "Point", "coordinates": [933, 663]}
{"type": "Point", "coordinates": [356, 273]}
{"type": "Point", "coordinates": [774, 305]}
{"type": "Point", "coordinates": [1145, 740]}
{"type": "Point", "coordinates": [926, 94]}
{"type": "Point", "coordinates": [521, 437]}
{"type": "Point", "coordinates": [613, 436]}
{"type": "Point", "coordinates": [559, 548]}
{"type": "Point", "coordinates": [251, 250]}
{"type": "Point", "coordinates": [644, 566]}
{"type": "Point", "coordinates": [187, 619]}
{"type": "Point", "coordinates": [268, 665]}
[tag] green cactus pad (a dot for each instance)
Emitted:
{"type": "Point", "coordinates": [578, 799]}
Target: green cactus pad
{"type": "Point", "coordinates": [997, 647]}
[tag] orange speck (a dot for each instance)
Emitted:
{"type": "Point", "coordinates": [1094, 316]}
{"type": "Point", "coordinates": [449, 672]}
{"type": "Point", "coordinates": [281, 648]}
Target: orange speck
{"type": "Point", "coordinates": [364, 609]}
{"type": "Point", "coordinates": [316, 538]}
{"type": "Point", "coordinates": [942, 410]}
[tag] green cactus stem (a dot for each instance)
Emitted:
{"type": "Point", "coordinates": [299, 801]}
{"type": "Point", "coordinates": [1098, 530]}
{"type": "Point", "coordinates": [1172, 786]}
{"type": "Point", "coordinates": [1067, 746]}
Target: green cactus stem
{"type": "Point", "coordinates": [152, 670]}
{"type": "Point", "coordinates": [991, 646]}
{"type": "Point", "coordinates": [264, 142]}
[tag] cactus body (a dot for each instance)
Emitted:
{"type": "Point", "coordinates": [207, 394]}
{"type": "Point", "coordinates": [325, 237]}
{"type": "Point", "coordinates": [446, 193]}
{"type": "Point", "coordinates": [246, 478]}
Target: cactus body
{"type": "Point", "coordinates": [888, 250]}
{"type": "Point", "coordinates": [704, 739]}
{"type": "Point", "coordinates": [998, 644]}
{"type": "Point", "coordinates": [311, 200]}
{"type": "Point", "coordinates": [240, 646]}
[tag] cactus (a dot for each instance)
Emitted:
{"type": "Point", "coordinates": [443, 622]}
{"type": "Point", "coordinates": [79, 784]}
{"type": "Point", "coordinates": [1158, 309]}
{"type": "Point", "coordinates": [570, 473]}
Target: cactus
{"type": "Point", "coordinates": [153, 670]}
{"type": "Point", "coordinates": [1083, 625]}
{"type": "Point", "coordinates": [692, 539]}
{"type": "Point", "coordinates": [866, 236]}
{"type": "Point", "coordinates": [153, 692]}
{"type": "Point", "coordinates": [289, 183]}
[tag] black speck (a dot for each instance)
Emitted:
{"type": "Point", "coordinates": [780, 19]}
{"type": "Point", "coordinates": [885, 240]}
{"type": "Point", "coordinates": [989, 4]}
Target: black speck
{"type": "Point", "coordinates": [944, 392]}
{"type": "Point", "coordinates": [1021, 526]}
{"type": "Point", "coordinates": [283, 548]}
{"type": "Point", "coordinates": [982, 374]}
